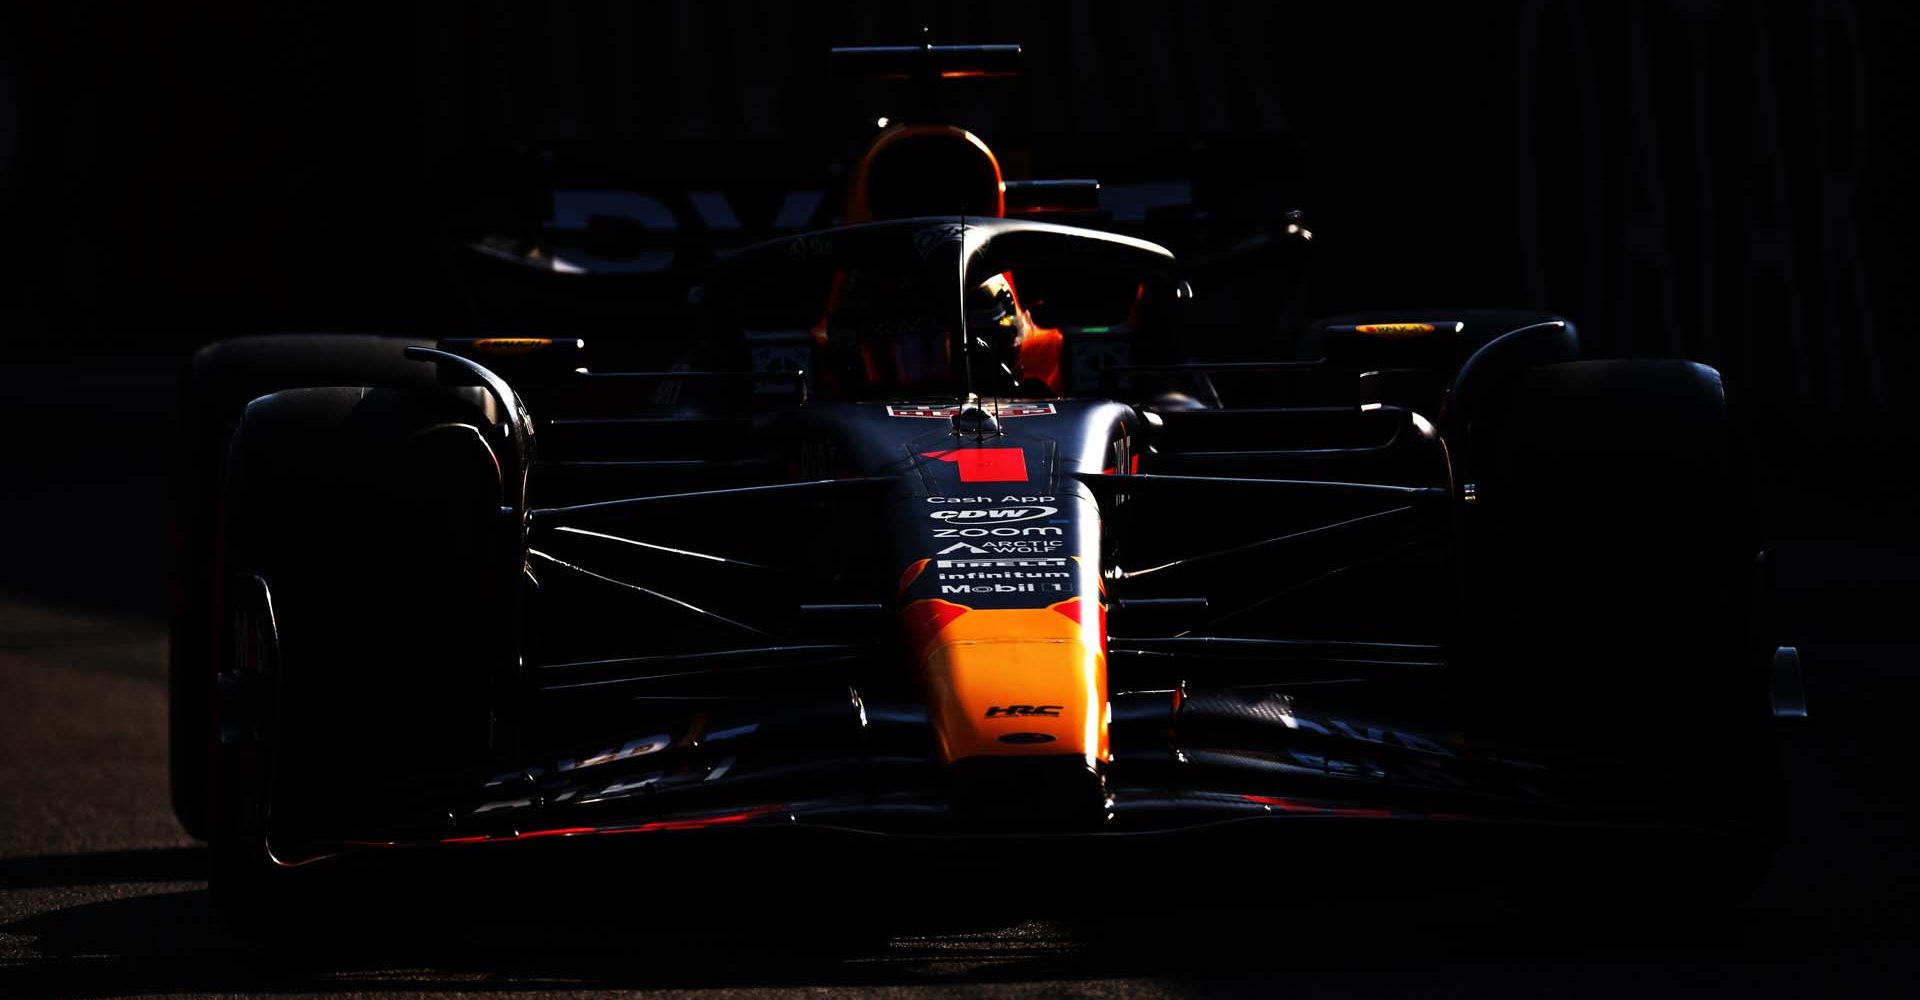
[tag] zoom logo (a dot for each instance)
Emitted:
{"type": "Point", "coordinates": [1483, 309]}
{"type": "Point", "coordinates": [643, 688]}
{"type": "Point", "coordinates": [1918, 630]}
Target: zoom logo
{"type": "Point", "coordinates": [997, 531]}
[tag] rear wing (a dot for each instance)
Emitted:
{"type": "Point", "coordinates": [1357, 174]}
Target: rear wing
{"type": "Point", "coordinates": [926, 61]}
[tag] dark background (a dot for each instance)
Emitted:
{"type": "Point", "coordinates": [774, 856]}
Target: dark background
{"type": "Point", "coordinates": [1716, 180]}
{"type": "Point", "coordinates": [1724, 181]}
{"type": "Point", "coordinates": [1721, 181]}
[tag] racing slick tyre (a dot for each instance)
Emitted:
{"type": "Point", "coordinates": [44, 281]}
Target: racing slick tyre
{"type": "Point", "coordinates": [364, 602]}
{"type": "Point", "coordinates": [1609, 565]}
{"type": "Point", "coordinates": [217, 385]}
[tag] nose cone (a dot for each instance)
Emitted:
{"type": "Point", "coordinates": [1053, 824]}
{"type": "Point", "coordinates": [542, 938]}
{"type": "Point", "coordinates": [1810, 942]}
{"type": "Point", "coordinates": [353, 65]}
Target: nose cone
{"type": "Point", "coordinates": [1001, 609]}
{"type": "Point", "coordinates": [1016, 682]}
{"type": "Point", "coordinates": [1018, 702]}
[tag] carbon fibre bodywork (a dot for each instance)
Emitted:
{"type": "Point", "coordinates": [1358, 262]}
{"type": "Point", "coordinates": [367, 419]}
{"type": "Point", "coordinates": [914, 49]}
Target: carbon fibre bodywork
{"type": "Point", "coordinates": [765, 637]}
{"type": "Point", "coordinates": [872, 564]}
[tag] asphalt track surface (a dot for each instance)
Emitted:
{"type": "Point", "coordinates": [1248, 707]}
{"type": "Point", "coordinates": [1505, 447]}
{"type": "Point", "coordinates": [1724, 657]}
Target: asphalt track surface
{"type": "Point", "coordinates": [102, 895]}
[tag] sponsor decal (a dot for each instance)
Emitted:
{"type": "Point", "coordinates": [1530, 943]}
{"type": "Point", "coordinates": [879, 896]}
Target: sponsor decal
{"type": "Point", "coordinates": [949, 410]}
{"type": "Point", "coordinates": [1000, 588]}
{"type": "Point", "coordinates": [1026, 738]}
{"type": "Point", "coordinates": [993, 576]}
{"type": "Point", "coordinates": [1025, 545]}
{"type": "Point", "coordinates": [1395, 331]}
{"type": "Point", "coordinates": [795, 358]}
{"type": "Point", "coordinates": [927, 240]}
{"type": "Point", "coordinates": [1003, 531]}
{"type": "Point", "coordinates": [1022, 711]}
{"type": "Point", "coordinates": [990, 500]}
{"type": "Point", "coordinates": [632, 748]}
{"type": "Point", "coordinates": [804, 248]}
{"type": "Point", "coordinates": [1012, 574]}
{"type": "Point", "coordinates": [1001, 563]}
{"type": "Point", "coordinates": [993, 515]}
{"type": "Point", "coordinates": [985, 465]}
{"type": "Point", "coordinates": [511, 345]}
{"type": "Point", "coordinates": [1004, 546]}
{"type": "Point", "coordinates": [655, 779]}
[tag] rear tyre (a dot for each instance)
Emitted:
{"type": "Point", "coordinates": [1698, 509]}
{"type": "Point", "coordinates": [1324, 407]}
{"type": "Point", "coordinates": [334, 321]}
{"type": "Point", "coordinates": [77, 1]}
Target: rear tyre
{"type": "Point", "coordinates": [1609, 564]}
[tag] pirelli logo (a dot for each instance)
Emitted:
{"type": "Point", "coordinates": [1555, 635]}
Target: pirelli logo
{"type": "Point", "coordinates": [1009, 563]}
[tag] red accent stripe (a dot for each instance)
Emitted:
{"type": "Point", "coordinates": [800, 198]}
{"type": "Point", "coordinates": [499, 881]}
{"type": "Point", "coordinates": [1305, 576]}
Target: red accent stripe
{"type": "Point", "coordinates": [1288, 805]}
{"type": "Point", "coordinates": [910, 574]}
{"type": "Point", "coordinates": [1075, 608]}
{"type": "Point", "coordinates": [922, 620]}
{"type": "Point", "coordinates": [1284, 805]}
{"type": "Point", "coordinates": [657, 825]}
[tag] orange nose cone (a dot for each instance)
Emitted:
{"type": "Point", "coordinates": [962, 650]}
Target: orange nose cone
{"type": "Point", "coordinates": [1012, 682]}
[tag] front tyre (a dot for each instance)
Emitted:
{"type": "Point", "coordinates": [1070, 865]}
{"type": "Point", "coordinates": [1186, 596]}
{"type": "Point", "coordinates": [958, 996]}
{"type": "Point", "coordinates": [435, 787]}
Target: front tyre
{"type": "Point", "coordinates": [368, 615]}
{"type": "Point", "coordinates": [219, 382]}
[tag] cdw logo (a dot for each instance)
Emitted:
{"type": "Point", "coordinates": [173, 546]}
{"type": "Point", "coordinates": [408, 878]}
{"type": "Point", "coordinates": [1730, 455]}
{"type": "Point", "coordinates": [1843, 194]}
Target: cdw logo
{"type": "Point", "coordinates": [1022, 711]}
{"type": "Point", "coordinates": [997, 514]}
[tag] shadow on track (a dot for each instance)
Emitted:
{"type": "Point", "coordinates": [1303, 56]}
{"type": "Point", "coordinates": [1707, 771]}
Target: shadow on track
{"type": "Point", "coordinates": [160, 864]}
{"type": "Point", "coordinates": [162, 937]}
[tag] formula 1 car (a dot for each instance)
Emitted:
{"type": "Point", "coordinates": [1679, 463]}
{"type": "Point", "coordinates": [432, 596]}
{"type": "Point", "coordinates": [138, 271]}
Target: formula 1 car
{"type": "Point", "coordinates": [885, 562]}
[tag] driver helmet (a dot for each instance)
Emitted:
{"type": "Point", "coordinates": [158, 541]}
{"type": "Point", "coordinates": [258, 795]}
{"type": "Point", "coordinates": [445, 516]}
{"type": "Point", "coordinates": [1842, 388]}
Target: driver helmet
{"type": "Point", "coordinates": [878, 328]}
